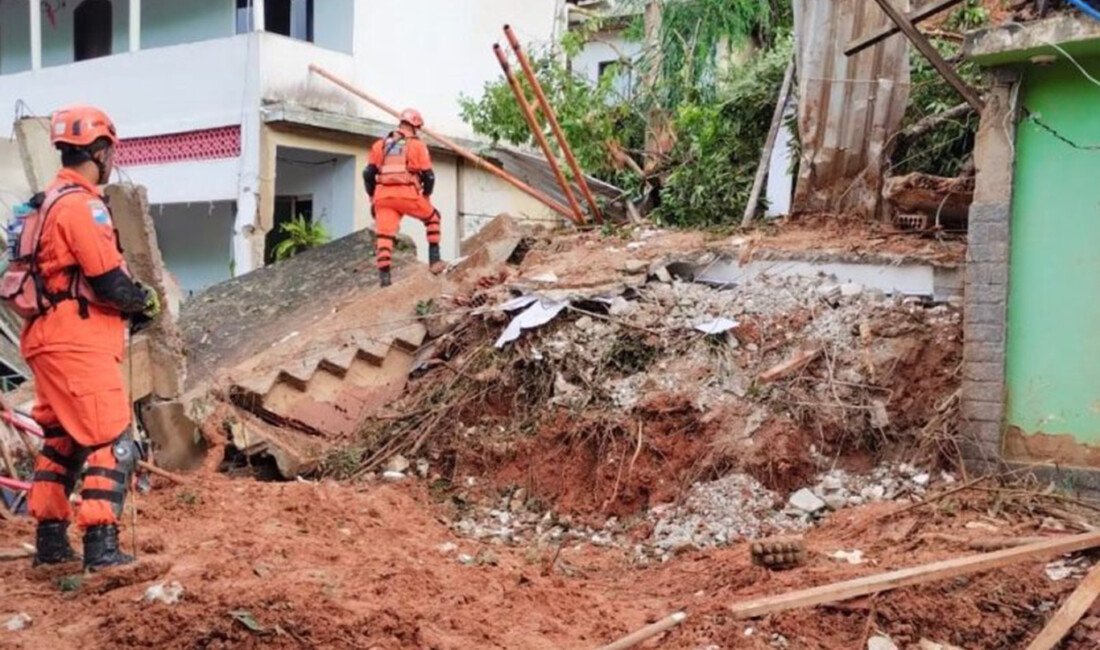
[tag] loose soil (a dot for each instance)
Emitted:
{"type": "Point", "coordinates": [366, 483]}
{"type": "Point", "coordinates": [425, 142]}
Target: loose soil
{"type": "Point", "coordinates": [328, 565]}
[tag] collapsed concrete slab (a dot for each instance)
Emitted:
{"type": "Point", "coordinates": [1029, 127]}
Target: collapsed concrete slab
{"type": "Point", "coordinates": [314, 345]}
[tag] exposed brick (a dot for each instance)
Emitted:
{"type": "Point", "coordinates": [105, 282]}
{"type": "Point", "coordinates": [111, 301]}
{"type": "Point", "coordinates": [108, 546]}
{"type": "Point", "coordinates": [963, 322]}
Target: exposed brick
{"type": "Point", "coordinates": [985, 371]}
{"type": "Point", "coordinates": [978, 352]}
{"type": "Point", "coordinates": [985, 333]}
{"type": "Point", "coordinates": [986, 391]}
{"type": "Point", "coordinates": [988, 314]}
{"type": "Point", "coordinates": [982, 411]}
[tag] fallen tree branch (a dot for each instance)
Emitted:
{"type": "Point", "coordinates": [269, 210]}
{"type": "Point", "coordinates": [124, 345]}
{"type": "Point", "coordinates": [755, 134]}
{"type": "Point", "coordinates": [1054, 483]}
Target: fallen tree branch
{"type": "Point", "coordinates": [930, 122]}
{"type": "Point", "coordinates": [936, 498]}
{"type": "Point", "coordinates": [913, 576]}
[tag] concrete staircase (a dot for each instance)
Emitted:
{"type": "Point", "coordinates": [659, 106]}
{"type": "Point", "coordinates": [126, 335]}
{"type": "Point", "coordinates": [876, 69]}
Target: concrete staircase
{"type": "Point", "coordinates": [331, 389]}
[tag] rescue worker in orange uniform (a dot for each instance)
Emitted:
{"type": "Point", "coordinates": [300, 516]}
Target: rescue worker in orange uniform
{"type": "Point", "coordinates": [75, 347]}
{"type": "Point", "coordinates": [400, 181]}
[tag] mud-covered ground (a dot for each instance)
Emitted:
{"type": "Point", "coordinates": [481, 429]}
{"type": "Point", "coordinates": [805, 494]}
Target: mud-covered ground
{"type": "Point", "coordinates": [329, 565]}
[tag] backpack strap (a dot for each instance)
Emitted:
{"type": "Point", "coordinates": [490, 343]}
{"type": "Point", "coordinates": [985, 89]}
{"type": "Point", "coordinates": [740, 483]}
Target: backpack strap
{"type": "Point", "coordinates": [47, 207]}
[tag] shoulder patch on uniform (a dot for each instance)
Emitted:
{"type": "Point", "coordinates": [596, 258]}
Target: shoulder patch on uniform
{"type": "Point", "coordinates": [100, 214]}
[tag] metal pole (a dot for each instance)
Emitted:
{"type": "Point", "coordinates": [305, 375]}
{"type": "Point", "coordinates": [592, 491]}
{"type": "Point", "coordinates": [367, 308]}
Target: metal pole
{"type": "Point", "coordinates": [555, 126]}
{"type": "Point", "coordinates": [458, 149]}
{"type": "Point", "coordinates": [536, 130]}
{"type": "Point", "coordinates": [36, 33]}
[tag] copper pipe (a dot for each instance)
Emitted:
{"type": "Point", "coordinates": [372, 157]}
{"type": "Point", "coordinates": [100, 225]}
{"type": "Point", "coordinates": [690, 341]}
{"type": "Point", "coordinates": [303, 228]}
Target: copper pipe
{"type": "Point", "coordinates": [536, 130]}
{"type": "Point", "coordinates": [552, 119]}
{"type": "Point", "coordinates": [461, 151]}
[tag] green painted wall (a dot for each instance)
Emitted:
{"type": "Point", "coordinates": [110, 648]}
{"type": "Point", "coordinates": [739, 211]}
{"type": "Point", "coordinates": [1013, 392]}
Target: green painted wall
{"type": "Point", "coordinates": [1053, 366]}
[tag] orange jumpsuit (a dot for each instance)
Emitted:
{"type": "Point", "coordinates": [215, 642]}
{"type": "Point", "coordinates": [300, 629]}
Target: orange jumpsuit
{"type": "Point", "coordinates": [392, 201]}
{"type": "Point", "coordinates": [80, 395]}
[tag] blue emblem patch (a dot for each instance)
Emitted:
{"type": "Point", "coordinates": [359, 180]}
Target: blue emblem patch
{"type": "Point", "coordinates": [100, 214]}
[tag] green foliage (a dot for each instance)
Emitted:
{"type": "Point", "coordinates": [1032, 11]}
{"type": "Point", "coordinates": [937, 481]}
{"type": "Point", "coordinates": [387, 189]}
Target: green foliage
{"type": "Point", "coordinates": [695, 33]}
{"type": "Point", "coordinates": [719, 113]}
{"type": "Point", "coordinates": [591, 115]}
{"type": "Point", "coordinates": [719, 145]}
{"type": "Point", "coordinates": [944, 150]}
{"type": "Point", "coordinates": [300, 236]}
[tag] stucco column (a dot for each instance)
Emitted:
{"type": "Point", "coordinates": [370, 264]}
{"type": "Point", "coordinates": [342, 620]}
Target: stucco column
{"type": "Point", "coordinates": [135, 25]}
{"type": "Point", "coordinates": [258, 16]}
{"type": "Point", "coordinates": [36, 34]}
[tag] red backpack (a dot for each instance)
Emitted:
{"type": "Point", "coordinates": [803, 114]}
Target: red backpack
{"type": "Point", "coordinates": [22, 285]}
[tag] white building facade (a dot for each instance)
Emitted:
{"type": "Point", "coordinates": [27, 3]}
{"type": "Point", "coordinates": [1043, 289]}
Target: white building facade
{"type": "Point", "coordinates": [231, 134]}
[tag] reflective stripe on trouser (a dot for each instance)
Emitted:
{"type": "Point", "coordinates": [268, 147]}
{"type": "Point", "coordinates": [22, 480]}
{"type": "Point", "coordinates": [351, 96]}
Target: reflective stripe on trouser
{"type": "Point", "coordinates": [103, 491]}
{"type": "Point", "coordinates": [55, 472]}
{"type": "Point", "coordinates": [387, 220]}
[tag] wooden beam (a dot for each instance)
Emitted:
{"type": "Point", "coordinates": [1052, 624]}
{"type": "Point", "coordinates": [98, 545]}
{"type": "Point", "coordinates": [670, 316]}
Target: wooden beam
{"type": "Point", "coordinates": [647, 632]}
{"type": "Point", "coordinates": [1069, 613]}
{"type": "Point", "coordinates": [929, 51]}
{"type": "Point", "coordinates": [913, 576]}
{"type": "Point", "coordinates": [769, 146]}
{"type": "Point", "coordinates": [915, 17]}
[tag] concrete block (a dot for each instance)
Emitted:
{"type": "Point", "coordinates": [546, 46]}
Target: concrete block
{"type": "Point", "coordinates": [988, 232]}
{"type": "Point", "coordinates": [995, 294]}
{"type": "Point", "coordinates": [976, 411]}
{"type": "Point", "coordinates": [990, 213]}
{"type": "Point", "coordinates": [988, 251]}
{"type": "Point", "coordinates": [988, 432]}
{"type": "Point", "coordinates": [976, 351]}
{"type": "Point", "coordinates": [985, 391]}
{"type": "Point", "coordinates": [986, 273]}
{"type": "Point", "coordinates": [981, 451]}
{"type": "Point", "coordinates": [989, 314]}
{"type": "Point", "coordinates": [985, 333]}
{"type": "Point", "coordinates": [989, 371]}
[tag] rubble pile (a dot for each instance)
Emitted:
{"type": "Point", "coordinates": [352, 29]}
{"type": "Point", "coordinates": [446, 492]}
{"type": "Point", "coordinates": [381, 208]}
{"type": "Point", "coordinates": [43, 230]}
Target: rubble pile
{"type": "Point", "coordinates": [717, 513]}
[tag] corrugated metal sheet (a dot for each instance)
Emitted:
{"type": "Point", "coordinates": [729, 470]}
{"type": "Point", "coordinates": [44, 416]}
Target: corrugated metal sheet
{"type": "Point", "coordinates": [849, 107]}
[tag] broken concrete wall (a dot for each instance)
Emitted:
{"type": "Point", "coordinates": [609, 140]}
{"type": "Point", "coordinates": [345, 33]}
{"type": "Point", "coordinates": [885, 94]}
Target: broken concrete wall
{"type": "Point", "coordinates": [848, 106]}
{"type": "Point", "coordinates": [41, 161]}
{"type": "Point", "coordinates": [130, 211]}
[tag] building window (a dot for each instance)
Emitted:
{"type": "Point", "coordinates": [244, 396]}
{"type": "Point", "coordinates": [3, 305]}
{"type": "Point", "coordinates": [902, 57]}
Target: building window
{"type": "Point", "coordinates": [244, 16]}
{"type": "Point", "coordinates": [293, 18]}
{"type": "Point", "coordinates": [92, 29]}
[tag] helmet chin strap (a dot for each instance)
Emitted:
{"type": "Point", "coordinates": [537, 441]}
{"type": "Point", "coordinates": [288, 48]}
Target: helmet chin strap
{"type": "Point", "coordinates": [104, 173]}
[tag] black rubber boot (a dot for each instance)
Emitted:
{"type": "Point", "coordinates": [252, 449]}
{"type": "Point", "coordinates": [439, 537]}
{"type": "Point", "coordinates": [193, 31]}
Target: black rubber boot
{"type": "Point", "coordinates": [384, 278]}
{"type": "Point", "coordinates": [52, 544]}
{"type": "Point", "coordinates": [433, 254]}
{"type": "Point", "coordinates": [101, 548]}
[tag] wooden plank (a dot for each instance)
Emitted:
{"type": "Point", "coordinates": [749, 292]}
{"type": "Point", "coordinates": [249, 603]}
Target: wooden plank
{"type": "Point", "coordinates": [769, 146]}
{"type": "Point", "coordinates": [647, 632]}
{"type": "Point", "coordinates": [800, 360]}
{"type": "Point", "coordinates": [1069, 613]}
{"type": "Point", "coordinates": [915, 17]}
{"type": "Point", "coordinates": [913, 576]}
{"type": "Point", "coordinates": [933, 55]}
